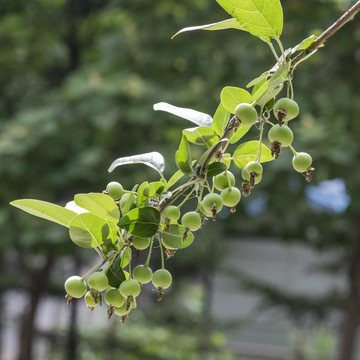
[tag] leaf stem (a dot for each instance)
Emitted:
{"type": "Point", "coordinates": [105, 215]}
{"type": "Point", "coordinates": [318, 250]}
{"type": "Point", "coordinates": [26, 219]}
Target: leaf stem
{"type": "Point", "coordinates": [274, 52]}
{"type": "Point", "coordinates": [282, 50]}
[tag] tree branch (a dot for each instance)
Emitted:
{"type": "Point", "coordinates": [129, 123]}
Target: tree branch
{"type": "Point", "coordinates": [330, 31]}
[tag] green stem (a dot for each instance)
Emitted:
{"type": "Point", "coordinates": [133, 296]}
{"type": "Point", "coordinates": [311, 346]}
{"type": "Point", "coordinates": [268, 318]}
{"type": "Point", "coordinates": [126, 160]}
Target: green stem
{"type": "Point", "coordinates": [260, 139]}
{"type": "Point", "coordinates": [228, 178]}
{"type": "Point", "coordinates": [96, 267]}
{"type": "Point", "coordinates": [274, 52]}
{"type": "Point", "coordinates": [187, 197]}
{"type": "Point", "coordinates": [292, 149]}
{"type": "Point", "coordinates": [282, 50]}
{"type": "Point", "coordinates": [149, 254]}
{"type": "Point", "coordinates": [162, 254]}
{"type": "Point", "coordinates": [99, 252]}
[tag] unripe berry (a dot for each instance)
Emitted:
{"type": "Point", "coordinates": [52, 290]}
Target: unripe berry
{"type": "Point", "coordinates": [211, 201]}
{"type": "Point", "coordinates": [130, 287]}
{"type": "Point", "coordinates": [162, 279]}
{"type": "Point", "coordinates": [98, 281]}
{"type": "Point", "coordinates": [246, 176]}
{"type": "Point", "coordinates": [75, 286]}
{"type": "Point", "coordinates": [301, 161]}
{"type": "Point", "coordinates": [90, 301]}
{"type": "Point", "coordinates": [122, 310]}
{"type": "Point", "coordinates": [191, 220]}
{"type": "Point", "coordinates": [246, 113]}
{"type": "Point", "coordinates": [254, 167]}
{"type": "Point", "coordinates": [114, 298]}
{"type": "Point", "coordinates": [289, 108]}
{"type": "Point", "coordinates": [142, 274]}
{"type": "Point", "coordinates": [115, 190]}
{"type": "Point", "coordinates": [231, 196]}
{"type": "Point", "coordinates": [221, 181]}
{"type": "Point", "coordinates": [140, 243]}
{"type": "Point", "coordinates": [281, 134]}
{"type": "Point", "coordinates": [172, 213]}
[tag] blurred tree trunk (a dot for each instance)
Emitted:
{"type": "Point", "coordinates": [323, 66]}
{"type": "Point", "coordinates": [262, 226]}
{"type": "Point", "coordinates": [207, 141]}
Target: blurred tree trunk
{"type": "Point", "coordinates": [37, 284]}
{"type": "Point", "coordinates": [352, 304]}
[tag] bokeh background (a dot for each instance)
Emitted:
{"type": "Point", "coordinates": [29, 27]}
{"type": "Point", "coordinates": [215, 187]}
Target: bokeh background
{"type": "Point", "coordinates": [277, 280]}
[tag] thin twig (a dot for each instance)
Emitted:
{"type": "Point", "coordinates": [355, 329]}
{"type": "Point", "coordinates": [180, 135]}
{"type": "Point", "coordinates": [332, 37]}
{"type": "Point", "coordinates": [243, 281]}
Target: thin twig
{"type": "Point", "coordinates": [330, 31]}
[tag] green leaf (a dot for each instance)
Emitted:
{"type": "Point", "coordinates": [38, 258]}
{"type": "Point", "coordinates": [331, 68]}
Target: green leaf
{"type": "Point", "coordinates": [221, 25]}
{"type": "Point", "coordinates": [88, 230]}
{"type": "Point", "coordinates": [143, 222]}
{"type": "Point", "coordinates": [205, 155]}
{"type": "Point", "coordinates": [260, 91]}
{"type": "Point", "coordinates": [257, 80]}
{"type": "Point", "coordinates": [155, 187]}
{"type": "Point", "coordinates": [115, 273]}
{"type": "Point", "coordinates": [46, 210]}
{"type": "Point", "coordinates": [280, 76]}
{"type": "Point", "coordinates": [125, 257]}
{"type": "Point", "coordinates": [261, 18]}
{"type": "Point", "coordinates": [175, 178]}
{"type": "Point", "coordinates": [216, 168]}
{"type": "Point", "coordinates": [141, 198]}
{"type": "Point", "coordinates": [247, 152]}
{"type": "Point", "coordinates": [152, 159]}
{"type": "Point", "coordinates": [183, 156]}
{"type": "Point", "coordinates": [99, 204]}
{"type": "Point", "coordinates": [197, 117]}
{"type": "Point", "coordinates": [240, 132]}
{"type": "Point", "coordinates": [199, 135]}
{"type": "Point", "coordinates": [173, 239]}
{"type": "Point", "coordinates": [268, 95]}
{"type": "Point", "coordinates": [231, 97]}
{"type": "Point", "coordinates": [221, 119]}
{"type": "Point", "coordinates": [306, 43]}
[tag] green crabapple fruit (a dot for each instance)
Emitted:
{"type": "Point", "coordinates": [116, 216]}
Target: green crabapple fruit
{"type": "Point", "coordinates": [98, 281]}
{"type": "Point", "coordinates": [281, 134]}
{"type": "Point", "coordinates": [246, 176]}
{"type": "Point", "coordinates": [75, 286]}
{"type": "Point", "coordinates": [90, 301]}
{"type": "Point", "coordinates": [115, 190]}
{"type": "Point", "coordinates": [122, 310]}
{"type": "Point", "coordinates": [172, 213]}
{"type": "Point", "coordinates": [114, 298]}
{"type": "Point", "coordinates": [140, 243]}
{"type": "Point", "coordinates": [142, 274]}
{"type": "Point", "coordinates": [221, 181]}
{"type": "Point", "coordinates": [246, 114]}
{"type": "Point", "coordinates": [254, 167]}
{"type": "Point", "coordinates": [301, 161]}
{"type": "Point", "coordinates": [231, 196]}
{"type": "Point", "coordinates": [191, 220]}
{"type": "Point", "coordinates": [130, 287]}
{"type": "Point", "coordinates": [203, 211]}
{"type": "Point", "coordinates": [286, 109]}
{"type": "Point", "coordinates": [162, 279]}
{"type": "Point", "coordinates": [212, 201]}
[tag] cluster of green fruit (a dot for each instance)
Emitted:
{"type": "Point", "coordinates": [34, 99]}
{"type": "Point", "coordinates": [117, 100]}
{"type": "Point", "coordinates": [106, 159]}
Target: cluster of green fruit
{"type": "Point", "coordinates": [120, 300]}
{"type": "Point", "coordinates": [279, 135]}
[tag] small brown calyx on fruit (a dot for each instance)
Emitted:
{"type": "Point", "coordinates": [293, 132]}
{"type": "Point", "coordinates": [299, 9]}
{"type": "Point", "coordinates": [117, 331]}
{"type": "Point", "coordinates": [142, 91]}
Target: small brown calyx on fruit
{"type": "Point", "coordinates": [275, 149]}
{"type": "Point", "coordinates": [309, 174]}
{"type": "Point", "coordinates": [245, 188]}
{"type": "Point", "coordinates": [169, 253]}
